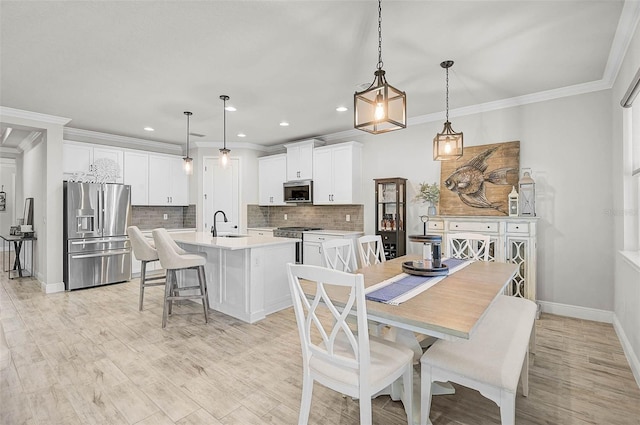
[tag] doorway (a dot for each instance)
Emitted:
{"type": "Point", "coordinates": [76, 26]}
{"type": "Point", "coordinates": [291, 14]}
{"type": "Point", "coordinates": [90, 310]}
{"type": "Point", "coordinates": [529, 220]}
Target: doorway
{"type": "Point", "coordinates": [221, 191]}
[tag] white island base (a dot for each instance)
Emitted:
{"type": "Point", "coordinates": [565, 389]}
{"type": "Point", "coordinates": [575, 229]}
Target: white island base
{"type": "Point", "coordinates": [246, 276]}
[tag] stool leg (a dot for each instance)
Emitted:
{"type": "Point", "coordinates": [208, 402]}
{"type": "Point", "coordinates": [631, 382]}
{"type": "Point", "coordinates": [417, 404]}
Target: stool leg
{"type": "Point", "coordinates": [203, 291]}
{"type": "Point", "coordinates": [143, 275]}
{"type": "Point", "coordinates": [167, 294]}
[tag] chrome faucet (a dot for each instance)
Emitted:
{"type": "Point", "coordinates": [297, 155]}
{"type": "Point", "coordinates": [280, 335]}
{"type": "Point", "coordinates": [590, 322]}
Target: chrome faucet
{"type": "Point", "coordinates": [214, 232]}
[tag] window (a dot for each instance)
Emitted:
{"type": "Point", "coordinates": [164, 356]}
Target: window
{"type": "Point", "coordinates": [631, 166]}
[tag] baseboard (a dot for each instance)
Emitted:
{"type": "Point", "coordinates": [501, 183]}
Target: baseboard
{"type": "Point", "coordinates": [632, 358]}
{"type": "Point", "coordinates": [51, 288]}
{"type": "Point", "coordinates": [577, 312]}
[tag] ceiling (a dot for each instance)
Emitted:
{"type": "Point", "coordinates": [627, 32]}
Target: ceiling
{"type": "Point", "coordinates": [118, 66]}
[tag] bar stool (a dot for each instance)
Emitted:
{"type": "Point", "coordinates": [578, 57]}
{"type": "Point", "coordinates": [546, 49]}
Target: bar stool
{"type": "Point", "coordinates": [173, 258]}
{"type": "Point", "coordinates": [145, 252]}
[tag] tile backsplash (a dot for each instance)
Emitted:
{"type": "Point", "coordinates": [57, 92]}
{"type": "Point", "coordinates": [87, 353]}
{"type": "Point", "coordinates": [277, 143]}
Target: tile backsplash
{"type": "Point", "coordinates": [147, 218]}
{"type": "Point", "coordinates": [326, 216]}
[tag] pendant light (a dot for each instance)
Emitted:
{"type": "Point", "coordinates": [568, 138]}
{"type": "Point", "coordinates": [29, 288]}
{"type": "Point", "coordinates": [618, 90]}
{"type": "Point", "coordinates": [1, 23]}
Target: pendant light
{"type": "Point", "coordinates": [448, 144]}
{"type": "Point", "coordinates": [224, 152]}
{"type": "Point", "coordinates": [381, 107]}
{"type": "Point", "coordinates": [188, 161]}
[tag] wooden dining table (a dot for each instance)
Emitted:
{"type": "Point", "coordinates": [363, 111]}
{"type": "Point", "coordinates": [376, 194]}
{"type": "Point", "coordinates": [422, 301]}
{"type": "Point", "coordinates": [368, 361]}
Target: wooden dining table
{"type": "Point", "coordinates": [451, 309]}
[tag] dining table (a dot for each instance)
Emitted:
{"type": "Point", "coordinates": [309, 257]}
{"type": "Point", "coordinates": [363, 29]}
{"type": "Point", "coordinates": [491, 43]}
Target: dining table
{"type": "Point", "coordinates": [450, 309]}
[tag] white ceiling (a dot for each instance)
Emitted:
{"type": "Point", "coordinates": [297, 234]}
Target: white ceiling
{"type": "Point", "coordinates": [118, 66]}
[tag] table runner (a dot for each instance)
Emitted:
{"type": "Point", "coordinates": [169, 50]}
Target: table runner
{"type": "Point", "coordinates": [403, 286]}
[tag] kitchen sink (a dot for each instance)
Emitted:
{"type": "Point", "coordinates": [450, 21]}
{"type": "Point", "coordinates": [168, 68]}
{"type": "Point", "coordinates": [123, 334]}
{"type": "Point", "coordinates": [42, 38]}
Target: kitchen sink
{"type": "Point", "coordinates": [233, 236]}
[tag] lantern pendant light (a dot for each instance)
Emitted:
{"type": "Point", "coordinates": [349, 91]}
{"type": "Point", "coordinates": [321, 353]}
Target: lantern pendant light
{"type": "Point", "coordinates": [448, 144]}
{"type": "Point", "coordinates": [224, 152]}
{"type": "Point", "coordinates": [188, 161]}
{"type": "Point", "coordinates": [381, 107]}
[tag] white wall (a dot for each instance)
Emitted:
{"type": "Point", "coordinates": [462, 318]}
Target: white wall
{"type": "Point", "coordinates": [567, 144]}
{"type": "Point", "coordinates": [625, 217]}
{"type": "Point", "coordinates": [7, 179]}
{"type": "Point", "coordinates": [33, 183]}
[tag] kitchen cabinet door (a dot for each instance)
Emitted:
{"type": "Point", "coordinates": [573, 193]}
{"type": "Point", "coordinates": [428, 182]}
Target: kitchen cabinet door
{"type": "Point", "coordinates": [136, 174]}
{"type": "Point", "coordinates": [271, 176]}
{"type": "Point", "coordinates": [159, 180]}
{"type": "Point", "coordinates": [312, 254]}
{"type": "Point", "coordinates": [179, 190]}
{"type": "Point", "coordinates": [300, 160]}
{"type": "Point", "coordinates": [76, 157]}
{"type": "Point", "coordinates": [337, 174]}
{"type": "Point", "coordinates": [323, 177]}
{"type": "Point", "coordinates": [114, 154]}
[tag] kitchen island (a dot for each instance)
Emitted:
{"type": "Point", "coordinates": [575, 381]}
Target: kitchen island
{"type": "Point", "coordinates": [246, 275]}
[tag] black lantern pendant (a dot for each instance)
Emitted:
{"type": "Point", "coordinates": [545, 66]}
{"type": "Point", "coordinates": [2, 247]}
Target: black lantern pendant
{"type": "Point", "coordinates": [381, 107]}
{"type": "Point", "coordinates": [447, 145]}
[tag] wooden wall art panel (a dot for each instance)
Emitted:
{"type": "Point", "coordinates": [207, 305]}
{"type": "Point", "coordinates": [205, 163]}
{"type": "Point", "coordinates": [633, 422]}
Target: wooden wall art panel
{"type": "Point", "coordinates": [479, 183]}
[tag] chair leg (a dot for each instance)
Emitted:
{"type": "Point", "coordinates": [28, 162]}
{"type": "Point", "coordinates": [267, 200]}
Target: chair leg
{"type": "Point", "coordinates": [305, 403]}
{"type": "Point", "coordinates": [507, 408]}
{"type": "Point", "coordinates": [203, 286]}
{"type": "Point", "coordinates": [143, 276]}
{"type": "Point", "coordinates": [365, 408]}
{"type": "Point", "coordinates": [425, 393]}
{"type": "Point", "coordinates": [524, 375]}
{"type": "Point", "coordinates": [167, 302]}
{"type": "Point", "coordinates": [407, 380]}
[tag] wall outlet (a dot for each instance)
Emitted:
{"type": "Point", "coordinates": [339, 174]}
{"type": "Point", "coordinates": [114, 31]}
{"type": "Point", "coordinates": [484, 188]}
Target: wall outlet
{"type": "Point", "coordinates": [165, 216]}
{"type": "Point", "coordinates": [348, 217]}
{"type": "Point", "coordinates": [285, 216]}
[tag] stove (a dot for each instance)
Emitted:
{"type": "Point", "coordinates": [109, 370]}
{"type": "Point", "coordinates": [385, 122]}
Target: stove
{"type": "Point", "coordinates": [294, 232]}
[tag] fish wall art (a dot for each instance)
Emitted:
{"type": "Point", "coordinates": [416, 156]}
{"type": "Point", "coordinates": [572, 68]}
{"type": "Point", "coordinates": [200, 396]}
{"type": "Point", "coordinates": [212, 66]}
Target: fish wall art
{"type": "Point", "coordinates": [479, 183]}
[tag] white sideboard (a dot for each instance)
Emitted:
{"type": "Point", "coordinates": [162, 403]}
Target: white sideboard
{"type": "Point", "coordinates": [513, 240]}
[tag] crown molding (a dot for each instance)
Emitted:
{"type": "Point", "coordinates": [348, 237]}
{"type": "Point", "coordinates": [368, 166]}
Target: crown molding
{"type": "Point", "coordinates": [90, 136]}
{"type": "Point", "coordinates": [30, 141]}
{"type": "Point", "coordinates": [237, 145]}
{"type": "Point", "coordinates": [7, 161]}
{"type": "Point", "coordinates": [629, 18]}
{"type": "Point", "coordinates": [9, 153]}
{"type": "Point", "coordinates": [35, 116]}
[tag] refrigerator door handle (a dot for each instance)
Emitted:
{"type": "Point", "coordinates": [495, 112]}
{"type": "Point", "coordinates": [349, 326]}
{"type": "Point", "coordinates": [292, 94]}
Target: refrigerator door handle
{"type": "Point", "coordinates": [99, 241]}
{"type": "Point", "coordinates": [102, 254]}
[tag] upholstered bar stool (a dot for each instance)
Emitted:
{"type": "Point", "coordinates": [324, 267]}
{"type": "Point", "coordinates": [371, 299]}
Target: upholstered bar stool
{"type": "Point", "coordinates": [145, 252]}
{"type": "Point", "coordinates": [174, 258]}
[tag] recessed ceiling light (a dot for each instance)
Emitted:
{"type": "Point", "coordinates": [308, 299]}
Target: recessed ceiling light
{"type": "Point", "coordinates": [341, 108]}
{"type": "Point", "coordinates": [242, 135]}
{"type": "Point", "coordinates": [284, 124]}
{"type": "Point", "coordinates": [230, 109]}
{"type": "Point", "coordinates": [148, 129]}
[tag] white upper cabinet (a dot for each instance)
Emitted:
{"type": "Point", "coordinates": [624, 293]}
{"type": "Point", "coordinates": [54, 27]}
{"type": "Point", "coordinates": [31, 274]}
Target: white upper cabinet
{"type": "Point", "coordinates": [337, 176]}
{"type": "Point", "coordinates": [168, 183]}
{"type": "Point", "coordinates": [272, 172]}
{"type": "Point", "coordinates": [300, 160]}
{"type": "Point", "coordinates": [78, 157]}
{"type": "Point", "coordinates": [136, 174]}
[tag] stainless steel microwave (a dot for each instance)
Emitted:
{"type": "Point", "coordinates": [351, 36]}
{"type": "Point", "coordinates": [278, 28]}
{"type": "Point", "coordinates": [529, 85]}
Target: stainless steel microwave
{"type": "Point", "coordinates": [298, 191]}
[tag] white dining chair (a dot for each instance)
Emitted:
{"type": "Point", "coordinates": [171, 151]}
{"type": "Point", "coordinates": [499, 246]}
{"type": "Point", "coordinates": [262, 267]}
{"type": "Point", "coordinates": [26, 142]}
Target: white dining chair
{"type": "Point", "coordinates": [174, 258]}
{"type": "Point", "coordinates": [339, 255]}
{"type": "Point", "coordinates": [371, 250]}
{"type": "Point", "coordinates": [347, 361]}
{"type": "Point", "coordinates": [145, 252]}
{"type": "Point", "coordinates": [468, 246]}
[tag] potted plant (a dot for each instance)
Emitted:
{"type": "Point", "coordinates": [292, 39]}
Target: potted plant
{"type": "Point", "coordinates": [429, 193]}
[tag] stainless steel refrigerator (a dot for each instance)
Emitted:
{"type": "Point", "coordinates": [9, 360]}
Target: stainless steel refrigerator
{"type": "Point", "coordinates": [97, 250]}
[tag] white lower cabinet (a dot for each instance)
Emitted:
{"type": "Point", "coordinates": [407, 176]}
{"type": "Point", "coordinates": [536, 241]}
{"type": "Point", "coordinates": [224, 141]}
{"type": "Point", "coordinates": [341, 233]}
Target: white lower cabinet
{"type": "Point", "coordinates": [259, 232]}
{"type": "Point", "coordinates": [312, 253]}
{"type": "Point", "coordinates": [512, 240]}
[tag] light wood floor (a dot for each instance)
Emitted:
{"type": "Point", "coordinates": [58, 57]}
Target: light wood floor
{"type": "Point", "coordinates": [89, 357]}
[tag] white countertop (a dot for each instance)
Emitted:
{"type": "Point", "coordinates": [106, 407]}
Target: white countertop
{"type": "Point", "coordinates": [246, 242]}
{"type": "Point", "coordinates": [336, 232]}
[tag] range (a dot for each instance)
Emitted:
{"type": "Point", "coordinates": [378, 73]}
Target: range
{"type": "Point", "coordinates": [294, 232]}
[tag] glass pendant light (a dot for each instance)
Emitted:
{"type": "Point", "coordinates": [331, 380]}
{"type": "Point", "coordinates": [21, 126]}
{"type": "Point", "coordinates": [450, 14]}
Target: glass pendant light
{"type": "Point", "coordinates": [448, 144]}
{"type": "Point", "coordinates": [381, 107]}
{"type": "Point", "coordinates": [224, 152]}
{"type": "Point", "coordinates": [188, 161]}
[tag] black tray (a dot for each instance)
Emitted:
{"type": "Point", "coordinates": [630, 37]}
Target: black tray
{"type": "Point", "coordinates": [415, 268]}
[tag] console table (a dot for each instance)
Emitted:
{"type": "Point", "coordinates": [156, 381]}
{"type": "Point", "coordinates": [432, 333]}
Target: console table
{"type": "Point", "coordinates": [18, 265]}
{"type": "Point", "coordinates": [513, 240]}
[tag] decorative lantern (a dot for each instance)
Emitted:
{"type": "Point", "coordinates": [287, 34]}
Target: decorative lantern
{"type": "Point", "coordinates": [513, 202]}
{"type": "Point", "coordinates": [527, 195]}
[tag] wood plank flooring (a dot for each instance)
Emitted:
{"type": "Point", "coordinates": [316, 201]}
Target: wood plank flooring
{"type": "Point", "coordinates": [90, 357]}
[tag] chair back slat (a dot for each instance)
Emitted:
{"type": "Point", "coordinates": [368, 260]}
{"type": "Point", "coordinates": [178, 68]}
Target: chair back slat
{"type": "Point", "coordinates": [339, 255]}
{"type": "Point", "coordinates": [371, 250]}
{"type": "Point", "coordinates": [323, 327]}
